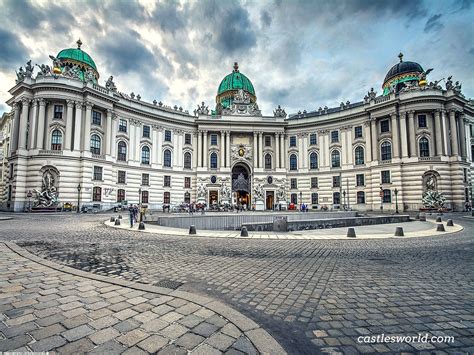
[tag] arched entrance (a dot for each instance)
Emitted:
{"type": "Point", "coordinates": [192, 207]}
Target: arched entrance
{"type": "Point", "coordinates": [241, 185]}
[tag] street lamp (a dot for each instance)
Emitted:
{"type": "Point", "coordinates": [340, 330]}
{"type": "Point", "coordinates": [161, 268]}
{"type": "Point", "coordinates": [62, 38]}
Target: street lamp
{"type": "Point", "coordinates": [396, 200]}
{"type": "Point", "coordinates": [381, 199]}
{"type": "Point", "coordinates": [78, 197]}
{"type": "Point", "coordinates": [301, 201]}
{"type": "Point", "coordinates": [344, 198]}
{"type": "Point", "coordinates": [140, 203]}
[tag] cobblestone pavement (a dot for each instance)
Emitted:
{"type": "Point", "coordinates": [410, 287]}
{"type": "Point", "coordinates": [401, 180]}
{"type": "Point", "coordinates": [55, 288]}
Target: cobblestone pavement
{"type": "Point", "coordinates": [311, 295]}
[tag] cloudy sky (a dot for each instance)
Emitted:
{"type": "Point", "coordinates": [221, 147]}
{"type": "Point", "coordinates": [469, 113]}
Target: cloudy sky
{"type": "Point", "coordinates": [298, 53]}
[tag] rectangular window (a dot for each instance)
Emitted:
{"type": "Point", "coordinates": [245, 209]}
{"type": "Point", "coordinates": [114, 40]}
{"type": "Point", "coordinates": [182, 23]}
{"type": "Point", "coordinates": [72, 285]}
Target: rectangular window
{"type": "Point", "coordinates": [187, 139]}
{"type": "Point", "coordinates": [122, 125]}
{"type": "Point", "coordinates": [268, 141]}
{"type": "Point", "coordinates": [146, 179]}
{"type": "Point", "coordinates": [386, 177]}
{"type": "Point", "coordinates": [167, 181]}
{"type": "Point", "coordinates": [166, 198]}
{"type": "Point", "coordinates": [145, 196]}
{"type": "Point", "coordinates": [465, 175]}
{"type": "Point", "coordinates": [293, 141]}
{"type": "Point", "coordinates": [97, 173]}
{"type": "Point", "coordinates": [96, 118]}
{"type": "Point", "coordinates": [96, 194]}
{"type": "Point", "coordinates": [334, 136]}
{"type": "Point", "coordinates": [121, 176]}
{"type": "Point", "coordinates": [58, 111]}
{"type": "Point", "coordinates": [120, 195]}
{"type": "Point", "coordinates": [360, 180]}
{"type": "Point", "coordinates": [146, 131]}
{"type": "Point", "coordinates": [314, 198]}
{"type": "Point", "coordinates": [294, 198]}
{"type": "Point", "coordinates": [12, 166]}
{"type": "Point", "coordinates": [187, 182]}
{"type": "Point", "coordinates": [294, 183]}
{"type": "Point", "coordinates": [387, 196]}
{"type": "Point", "coordinates": [384, 126]}
{"type": "Point", "coordinates": [358, 132]}
{"type": "Point", "coordinates": [314, 182]}
{"type": "Point", "coordinates": [336, 181]}
{"type": "Point", "coordinates": [313, 139]}
{"type": "Point", "coordinates": [167, 135]}
{"type": "Point", "coordinates": [422, 121]}
{"type": "Point", "coordinates": [213, 139]}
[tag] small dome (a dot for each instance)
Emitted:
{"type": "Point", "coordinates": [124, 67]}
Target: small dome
{"type": "Point", "coordinates": [402, 72]}
{"type": "Point", "coordinates": [77, 55]}
{"type": "Point", "coordinates": [231, 84]}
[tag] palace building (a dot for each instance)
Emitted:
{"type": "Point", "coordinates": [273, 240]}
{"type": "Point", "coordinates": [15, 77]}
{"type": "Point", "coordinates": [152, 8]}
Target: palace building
{"type": "Point", "coordinates": [68, 138]}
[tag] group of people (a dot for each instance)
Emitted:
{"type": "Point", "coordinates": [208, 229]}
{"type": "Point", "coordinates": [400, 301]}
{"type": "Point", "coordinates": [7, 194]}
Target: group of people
{"type": "Point", "coordinates": [133, 212]}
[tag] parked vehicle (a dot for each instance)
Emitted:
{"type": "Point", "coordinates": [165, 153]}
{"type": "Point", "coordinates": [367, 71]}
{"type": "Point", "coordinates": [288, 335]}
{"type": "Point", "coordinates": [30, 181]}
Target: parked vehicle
{"type": "Point", "coordinates": [67, 207]}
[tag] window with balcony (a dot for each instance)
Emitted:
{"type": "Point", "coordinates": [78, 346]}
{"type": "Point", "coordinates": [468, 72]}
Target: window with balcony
{"type": "Point", "coordinates": [424, 146]}
{"type": "Point", "coordinates": [386, 151]}
{"type": "Point", "coordinates": [359, 155]}
{"type": "Point", "coordinates": [167, 158]}
{"type": "Point", "coordinates": [145, 155]}
{"type": "Point", "coordinates": [293, 162]}
{"type": "Point", "coordinates": [313, 160]}
{"type": "Point", "coordinates": [213, 160]}
{"type": "Point", "coordinates": [122, 151]}
{"type": "Point", "coordinates": [187, 162]}
{"type": "Point", "coordinates": [268, 161]}
{"type": "Point", "coordinates": [335, 159]}
{"type": "Point", "coordinates": [56, 140]}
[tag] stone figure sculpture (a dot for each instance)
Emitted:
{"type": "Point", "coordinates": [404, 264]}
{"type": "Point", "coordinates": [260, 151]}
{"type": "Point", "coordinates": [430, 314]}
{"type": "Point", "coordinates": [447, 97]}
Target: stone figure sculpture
{"type": "Point", "coordinates": [225, 191]}
{"type": "Point", "coordinates": [258, 192]}
{"type": "Point", "coordinates": [110, 85]}
{"type": "Point", "coordinates": [48, 196]}
{"type": "Point", "coordinates": [279, 112]}
{"type": "Point", "coordinates": [29, 69]}
{"type": "Point", "coordinates": [201, 191]}
{"type": "Point", "coordinates": [202, 110]}
{"type": "Point", "coordinates": [449, 83]}
{"type": "Point", "coordinates": [20, 74]}
{"type": "Point", "coordinates": [45, 70]}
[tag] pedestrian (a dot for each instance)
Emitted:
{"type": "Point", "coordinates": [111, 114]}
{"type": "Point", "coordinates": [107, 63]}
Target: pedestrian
{"type": "Point", "coordinates": [135, 213]}
{"type": "Point", "coordinates": [131, 212]}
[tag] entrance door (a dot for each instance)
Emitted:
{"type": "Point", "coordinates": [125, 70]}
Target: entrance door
{"type": "Point", "coordinates": [213, 197]}
{"type": "Point", "coordinates": [270, 200]}
{"type": "Point", "coordinates": [241, 185]}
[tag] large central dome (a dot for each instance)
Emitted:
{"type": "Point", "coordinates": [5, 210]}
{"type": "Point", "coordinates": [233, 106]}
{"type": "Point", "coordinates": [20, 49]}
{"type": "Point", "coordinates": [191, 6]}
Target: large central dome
{"type": "Point", "coordinates": [231, 84]}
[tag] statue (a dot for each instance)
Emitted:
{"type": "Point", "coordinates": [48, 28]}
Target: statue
{"type": "Point", "coordinates": [372, 94]}
{"type": "Point", "coordinates": [201, 110]}
{"type": "Point", "coordinates": [281, 193]}
{"type": "Point", "coordinates": [449, 83]}
{"type": "Point", "coordinates": [110, 85]}
{"type": "Point", "coordinates": [44, 70]}
{"type": "Point", "coordinates": [424, 74]}
{"type": "Point", "coordinates": [20, 75]}
{"type": "Point", "coordinates": [457, 87]}
{"type": "Point", "coordinates": [201, 191]}
{"type": "Point", "coordinates": [225, 192]}
{"type": "Point", "coordinates": [48, 196]}
{"type": "Point", "coordinates": [89, 76]}
{"type": "Point", "coordinates": [56, 62]}
{"type": "Point", "coordinates": [433, 199]}
{"type": "Point", "coordinates": [241, 97]}
{"type": "Point", "coordinates": [279, 112]}
{"type": "Point", "coordinates": [258, 192]}
{"type": "Point", "coordinates": [430, 182]}
{"type": "Point", "coordinates": [28, 69]}
{"type": "Point", "coordinates": [72, 72]}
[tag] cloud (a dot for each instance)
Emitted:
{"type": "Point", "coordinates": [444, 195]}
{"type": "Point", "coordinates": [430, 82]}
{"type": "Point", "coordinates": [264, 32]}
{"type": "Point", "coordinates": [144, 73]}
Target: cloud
{"type": "Point", "coordinates": [433, 23]}
{"type": "Point", "coordinates": [13, 51]}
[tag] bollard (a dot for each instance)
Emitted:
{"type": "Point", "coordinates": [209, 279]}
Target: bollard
{"type": "Point", "coordinates": [192, 229]}
{"type": "Point", "coordinates": [117, 222]}
{"type": "Point", "coordinates": [422, 218]}
{"type": "Point", "coordinates": [399, 232]}
{"type": "Point", "coordinates": [440, 228]}
{"type": "Point", "coordinates": [244, 232]}
{"type": "Point", "coordinates": [417, 217]}
{"type": "Point", "coordinates": [119, 216]}
{"type": "Point", "coordinates": [351, 233]}
{"type": "Point", "coordinates": [112, 219]}
{"type": "Point", "coordinates": [141, 226]}
{"type": "Point", "coordinates": [438, 219]}
{"type": "Point", "coordinates": [450, 223]}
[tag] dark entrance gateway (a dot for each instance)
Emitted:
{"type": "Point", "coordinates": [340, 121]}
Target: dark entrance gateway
{"type": "Point", "coordinates": [241, 185]}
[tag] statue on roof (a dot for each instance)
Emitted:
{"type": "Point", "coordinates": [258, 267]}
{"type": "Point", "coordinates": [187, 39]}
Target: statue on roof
{"type": "Point", "coordinates": [449, 83]}
{"type": "Point", "coordinates": [20, 74]}
{"type": "Point", "coordinates": [45, 70]}
{"type": "Point", "coordinates": [457, 87]}
{"type": "Point", "coordinates": [241, 97]}
{"type": "Point", "coordinates": [279, 112]}
{"type": "Point", "coordinates": [110, 85]}
{"type": "Point", "coordinates": [89, 75]}
{"type": "Point", "coordinates": [202, 110]}
{"type": "Point", "coordinates": [28, 69]}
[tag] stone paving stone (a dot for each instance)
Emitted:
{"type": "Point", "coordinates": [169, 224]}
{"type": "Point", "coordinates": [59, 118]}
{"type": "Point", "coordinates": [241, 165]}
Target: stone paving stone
{"type": "Point", "coordinates": [189, 341]}
{"type": "Point", "coordinates": [206, 349]}
{"type": "Point", "coordinates": [190, 321]}
{"type": "Point", "coordinates": [77, 333]}
{"type": "Point", "coordinates": [125, 314]}
{"type": "Point", "coordinates": [172, 350]}
{"type": "Point", "coordinates": [154, 325]}
{"type": "Point", "coordinates": [134, 351]}
{"type": "Point", "coordinates": [48, 344]}
{"type": "Point", "coordinates": [55, 318]}
{"type": "Point", "coordinates": [146, 316]}
{"type": "Point", "coordinates": [109, 348]}
{"type": "Point", "coordinates": [18, 330]}
{"type": "Point", "coordinates": [82, 346]}
{"type": "Point", "coordinates": [126, 325]}
{"type": "Point", "coordinates": [244, 345]}
{"type": "Point", "coordinates": [220, 341]}
{"type": "Point", "coordinates": [162, 309]}
{"type": "Point", "coordinates": [104, 322]}
{"type": "Point", "coordinates": [47, 331]}
{"type": "Point", "coordinates": [132, 337]}
{"type": "Point", "coordinates": [153, 343]}
{"type": "Point", "coordinates": [231, 330]}
{"type": "Point", "coordinates": [171, 317]}
{"type": "Point", "coordinates": [205, 329]}
{"type": "Point", "coordinates": [20, 320]}
{"type": "Point", "coordinates": [174, 331]}
{"type": "Point", "coordinates": [74, 322]}
{"type": "Point", "coordinates": [15, 342]}
{"type": "Point", "coordinates": [104, 335]}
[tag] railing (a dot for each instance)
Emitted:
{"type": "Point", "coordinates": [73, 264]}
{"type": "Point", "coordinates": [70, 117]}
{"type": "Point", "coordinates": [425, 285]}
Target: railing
{"type": "Point", "coordinates": [429, 159]}
{"type": "Point", "coordinates": [388, 161]}
{"type": "Point", "coordinates": [382, 99]}
{"type": "Point", "coordinates": [50, 152]}
{"type": "Point", "coordinates": [98, 156]}
{"type": "Point", "coordinates": [100, 89]}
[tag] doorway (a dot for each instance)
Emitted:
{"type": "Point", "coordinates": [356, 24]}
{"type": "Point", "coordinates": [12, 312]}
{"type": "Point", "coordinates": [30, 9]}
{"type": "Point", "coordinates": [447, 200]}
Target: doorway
{"type": "Point", "coordinates": [241, 185]}
{"type": "Point", "coordinates": [213, 197]}
{"type": "Point", "coordinates": [270, 200]}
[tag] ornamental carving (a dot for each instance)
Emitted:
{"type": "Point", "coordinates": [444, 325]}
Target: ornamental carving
{"type": "Point", "coordinates": [242, 106]}
{"type": "Point", "coordinates": [279, 112]}
{"type": "Point", "coordinates": [48, 195]}
{"type": "Point", "coordinates": [241, 152]}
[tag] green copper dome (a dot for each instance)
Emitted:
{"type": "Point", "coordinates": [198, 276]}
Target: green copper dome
{"type": "Point", "coordinates": [230, 85]}
{"type": "Point", "coordinates": [77, 55]}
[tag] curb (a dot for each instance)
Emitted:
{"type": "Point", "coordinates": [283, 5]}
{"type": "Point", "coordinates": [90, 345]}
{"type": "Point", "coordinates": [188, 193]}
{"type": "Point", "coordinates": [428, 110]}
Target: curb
{"type": "Point", "coordinates": [260, 338]}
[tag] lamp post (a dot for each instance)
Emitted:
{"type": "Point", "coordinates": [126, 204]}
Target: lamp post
{"type": "Point", "coordinates": [381, 199]}
{"type": "Point", "coordinates": [344, 198]}
{"type": "Point", "coordinates": [301, 201]}
{"type": "Point", "coordinates": [140, 203]}
{"type": "Point", "coordinates": [396, 200]}
{"type": "Point", "coordinates": [78, 197]}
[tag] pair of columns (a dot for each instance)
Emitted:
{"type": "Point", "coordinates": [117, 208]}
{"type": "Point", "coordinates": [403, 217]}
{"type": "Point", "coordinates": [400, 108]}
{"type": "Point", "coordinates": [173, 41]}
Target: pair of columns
{"type": "Point", "coordinates": [203, 149]}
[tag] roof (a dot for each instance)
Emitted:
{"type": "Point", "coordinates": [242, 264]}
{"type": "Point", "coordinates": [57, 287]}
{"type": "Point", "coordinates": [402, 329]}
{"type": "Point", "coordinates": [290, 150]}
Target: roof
{"type": "Point", "coordinates": [316, 113]}
{"type": "Point", "coordinates": [77, 54]}
{"type": "Point", "coordinates": [235, 81]}
{"type": "Point", "coordinates": [402, 68]}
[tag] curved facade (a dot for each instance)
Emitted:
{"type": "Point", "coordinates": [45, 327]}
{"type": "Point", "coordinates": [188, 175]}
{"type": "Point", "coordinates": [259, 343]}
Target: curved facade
{"type": "Point", "coordinates": [94, 144]}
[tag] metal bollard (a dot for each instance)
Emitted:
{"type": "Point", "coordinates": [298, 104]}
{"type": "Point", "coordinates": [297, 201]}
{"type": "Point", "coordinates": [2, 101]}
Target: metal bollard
{"type": "Point", "coordinates": [192, 229]}
{"type": "Point", "coordinates": [440, 228]}
{"type": "Point", "coordinates": [422, 218]}
{"type": "Point", "coordinates": [244, 232]}
{"type": "Point", "coordinates": [399, 232]}
{"type": "Point", "coordinates": [351, 233]}
{"type": "Point", "coordinates": [417, 217]}
{"type": "Point", "coordinates": [438, 219]}
{"type": "Point", "coordinates": [117, 222]}
{"type": "Point", "coordinates": [141, 226]}
{"type": "Point", "coordinates": [112, 219]}
{"type": "Point", "coordinates": [450, 223]}
{"type": "Point", "coordinates": [119, 216]}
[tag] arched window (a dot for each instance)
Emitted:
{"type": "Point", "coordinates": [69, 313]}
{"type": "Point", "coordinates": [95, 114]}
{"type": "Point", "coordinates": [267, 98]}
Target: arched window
{"type": "Point", "coordinates": [359, 156]}
{"type": "Point", "coordinates": [56, 140]}
{"type": "Point", "coordinates": [145, 155]}
{"type": "Point", "coordinates": [386, 151]}
{"type": "Point", "coordinates": [360, 197]}
{"type": "Point", "coordinates": [122, 151]}
{"type": "Point", "coordinates": [187, 160]}
{"type": "Point", "coordinates": [167, 158]}
{"type": "Point", "coordinates": [213, 160]}
{"type": "Point", "coordinates": [313, 160]}
{"type": "Point", "coordinates": [335, 159]}
{"type": "Point", "coordinates": [96, 194]}
{"type": "Point", "coordinates": [336, 198]}
{"type": "Point", "coordinates": [424, 145]}
{"type": "Point", "coordinates": [293, 162]}
{"type": "Point", "coordinates": [120, 195]}
{"type": "Point", "coordinates": [95, 144]}
{"type": "Point", "coordinates": [268, 161]}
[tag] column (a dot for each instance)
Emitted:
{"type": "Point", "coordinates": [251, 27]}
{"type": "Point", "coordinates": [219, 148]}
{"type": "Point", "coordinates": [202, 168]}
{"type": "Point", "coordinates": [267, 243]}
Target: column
{"type": "Point", "coordinates": [41, 122]}
{"type": "Point", "coordinates": [77, 126]}
{"type": "Point", "coordinates": [199, 150]}
{"type": "Point", "coordinates": [277, 150]}
{"type": "Point", "coordinates": [222, 150]}
{"type": "Point", "coordinates": [300, 151]}
{"type": "Point", "coordinates": [69, 125]}
{"type": "Point", "coordinates": [255, 150]}
{"type": "Point", "coordinates": [138, 138]}
{"type": "Point", "coordinates": [438, 134]}
{"type": "Point", "coordinates": [260, 149]}
{"type": "Point", "coordinates": [395, 139]}
{"type": "Point", "coordinates": [87, 127]}
{"type": "Point", "coordinates": [33, 125]}
{"type": "Point", "coordinates": [430, 122]}
{"type": "Point", "coordinates": [403, 134]}
{"type": "Point", "coordinates": [374, 134]}
{"type": "Point", "coordinates": [444, 123]}
{"type": "Point", "coordinates": [349, 146]}
{"type": "Point", "coordinates": [412, 133]}
{"type": "Point", "coordinates": [344, 145]}
{"type": "Point", "coordinates": [283, 151]}
{"type": "Point", "coordinates": [454, 133]}
{"type": "Point", "coordinates": [462, 135]}
{"type": "Point", "coordinates": [132, 141]}
{"type": "Point", "coordinates": [15, 128]}
{"type": "Point", "coordinates": [154, 142]}
{"type": "Point", "coordinates": [227, 147]}
{"type": "Point", "coordinates": [159, 150]}
{"type": "Point", "coordinates": [368, 141]}
{"type": "Point", "coordinates": [305, 150]}
{"type": "Point", "coordinates": [23, 123]}
{"type": "Point", "coordinates": [108, 133]}
{"type": "Point", "coordinates": [113, 135]}
{"type": "Point", "coordinates": [205, 150]}
{"type": "Point", "coordinates": [180, 149]}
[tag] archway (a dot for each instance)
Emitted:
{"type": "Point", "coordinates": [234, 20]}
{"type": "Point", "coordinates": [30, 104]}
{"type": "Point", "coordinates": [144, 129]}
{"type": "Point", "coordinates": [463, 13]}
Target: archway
{"type": "Point", "coordinates": [241, 185]}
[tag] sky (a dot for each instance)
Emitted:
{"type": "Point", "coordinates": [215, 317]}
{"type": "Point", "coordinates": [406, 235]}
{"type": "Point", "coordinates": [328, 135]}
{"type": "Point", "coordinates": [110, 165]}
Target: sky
{"type": "Point", "coordinates": [299, 54]}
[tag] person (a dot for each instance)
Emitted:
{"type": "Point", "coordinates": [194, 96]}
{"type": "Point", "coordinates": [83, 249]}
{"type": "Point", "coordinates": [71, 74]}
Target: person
{"type": "Point", "coordinates": [135, 213]}
{"type": "Point", "coordinates": [131, 214]}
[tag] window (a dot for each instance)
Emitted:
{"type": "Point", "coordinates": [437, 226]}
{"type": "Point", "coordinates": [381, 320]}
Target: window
{"type": "Point", "coordinates": [58, 111]}
{"type": "Point", "coordinates": [122, 125]}
{"type": "Point", "coordinates": [144, 196]}
{"type": "Point", "coordinates": [313, 139]}
{"type": "Point", "coordinates": [97, 173]}
{"type": "Point", "coordinates": [167, 135]}
{"type": "Point", "coordinates": [213, 139]}
{"type": "Point", "coordinates": [385, 176]}
{"type": "Point", "coordinates": [187, 182]}
{"type": "Point", "coordinates": [146, 179]}
{"type": "Point", "coordinates": [335, 159]}
{"type": "Point", "coordinates": [187, 197]}
{"type": "Point", "coordinates": [314, 198]}
{"type": "Point", "coordinates": [96, 118]}
{"type": "Point", "coordinates": [334, 136]}
{"type": "Point", "coordinates": [386, 151]}
{"type": "Point", "coordinates": [422, 121]}
{"type": "Point", "coordinates": [384, 126]}
{"type": "Point", "coordinates": [359, 156]}
{"type": "Point", "coordinates": [294, 198]}
{"type": "Point", "coordinates": [336, 181]}
{"type": "Point", "coordinates": [166, 181]}
{"type": "Point", "coordinates": [314, 182]}
{"type": "Point", "coordinates": [293, 162]}
{"type": "Point", "coordinates": [293, 183]}
{"type": "Point", "coordinates": [336, 198]}
{"type": "Point", "coordinates": [187, 160]}
{"type": "Point", "coordinates": [424, 147]}
{"type": "Point", "coordinates": [166, 198]}
{"type": "Point", "coordinates": [268, 161]}
{"type": "Point", "coordinates": [121, 176]}
{"type": "Point", "coordinates": [313, 160]}
{"type": "Point", "coordinates": [213, 160]}
{"type": "Point", "coordinates": [293, 141]}
{"type": "Point", "coordinates": [187, 139]}
{"type": "Point", "coordinates": [268, 141]}
{"type": "Point", "coordinates": [360, 180]}
{"type": "Point", "coordinates": [120, 195]}
{"type": "Point", "coordinates": [387, 196]}
{"type": "Point", "coordinates": [167, 158]}
{"type": "Point", "coordinates": [145, 155]}
{"type": "Point", "coordinates": [146, 131]}
{"type": "Point", "coordinates": [95, 144]}
{"type": "Point", "coordinates": [465, 175]}
{"type": "Point", "coordinates": [96, 194]}
{"type": "Point", "coordinates": [11, 170]}
{"type": "Point", "coordinates": [56, 140]}
{"type": "Point", "coordinates": [360, 197]}
{"type": "Point", "coordinates": [358, 132]}
{"type": "Point", "coordinates": [122, 151]}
